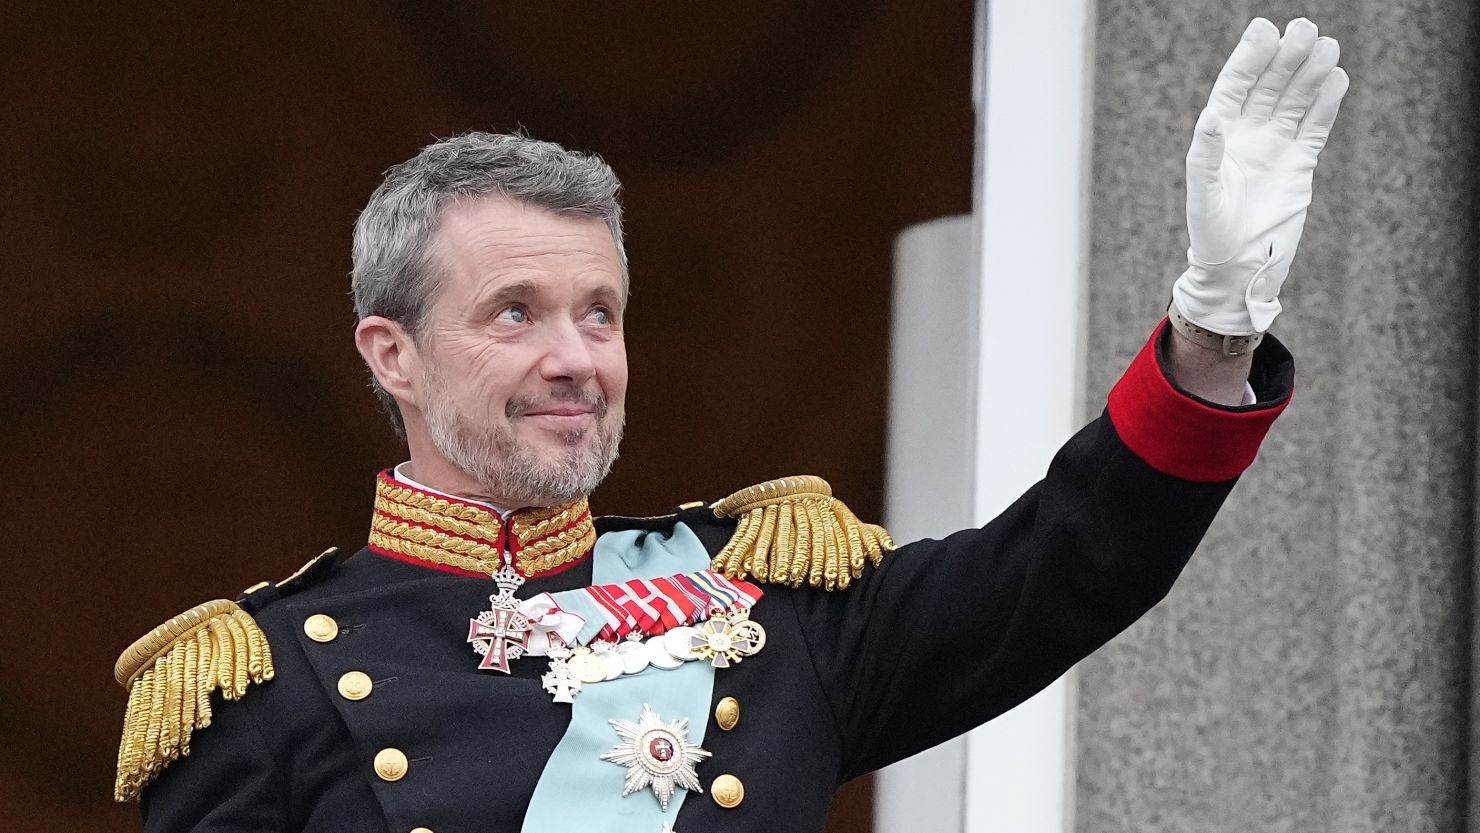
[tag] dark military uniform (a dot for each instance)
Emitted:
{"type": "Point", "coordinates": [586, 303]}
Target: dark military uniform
{"type": "Point", "coordinates": [378, 719]}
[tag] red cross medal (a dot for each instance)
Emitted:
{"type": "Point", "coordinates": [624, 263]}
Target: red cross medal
{"type": "Point", "coordinates": [501, 633]}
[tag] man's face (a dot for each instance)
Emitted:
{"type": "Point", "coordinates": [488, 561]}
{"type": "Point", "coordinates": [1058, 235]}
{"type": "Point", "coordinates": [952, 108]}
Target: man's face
{"type": "Point", "coordinates": [524, 367]}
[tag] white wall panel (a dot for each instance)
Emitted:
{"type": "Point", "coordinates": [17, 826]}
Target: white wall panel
{"type": "Point", "coordinates": [989, 323]}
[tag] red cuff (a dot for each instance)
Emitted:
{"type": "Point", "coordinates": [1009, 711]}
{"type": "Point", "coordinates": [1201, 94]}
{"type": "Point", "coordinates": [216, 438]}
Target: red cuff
{"type": "Point", "coordinates": [1179, 435]}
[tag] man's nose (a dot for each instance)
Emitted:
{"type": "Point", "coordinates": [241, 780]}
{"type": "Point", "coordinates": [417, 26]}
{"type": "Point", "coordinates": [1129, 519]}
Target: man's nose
{"type": "Point", "coordinates": [567, 355]}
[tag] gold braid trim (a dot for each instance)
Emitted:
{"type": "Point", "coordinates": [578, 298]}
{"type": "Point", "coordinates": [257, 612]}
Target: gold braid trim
{"type": "Point", "coordinates": [486, 530]}
{"type": "Point", "coordinates": [429, 528]}
{"type": "Point", "coordinates": [435, 555]}
{"type": "Point", "coordinates": [793, 531]}
{"type": "Point", "coordinates": [432, 503]}
{"type": "Point", "coordinates": [485, 558]}
{"type": "Point", "coordinates": [549, 553]}
{"type": "Point", "coordinates": [170, 673]}
{"type": "Point", "coordinates": [530, 524]}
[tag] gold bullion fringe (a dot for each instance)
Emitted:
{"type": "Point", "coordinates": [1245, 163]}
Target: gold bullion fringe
{"type": "Point", "coordinates": [170, 673]}
{"type": "Point", "coordinates": [793, 531]}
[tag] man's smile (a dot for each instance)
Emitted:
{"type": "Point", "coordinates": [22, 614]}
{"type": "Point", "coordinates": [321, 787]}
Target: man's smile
{"type": "Point", "coordinates": [564, 418]}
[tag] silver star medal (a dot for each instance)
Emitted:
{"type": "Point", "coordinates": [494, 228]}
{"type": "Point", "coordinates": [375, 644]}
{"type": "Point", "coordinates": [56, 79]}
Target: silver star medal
{"type": "Point", "coordinates": [501, 634]}
{"type": "Point", "coordinates": [656, 754]}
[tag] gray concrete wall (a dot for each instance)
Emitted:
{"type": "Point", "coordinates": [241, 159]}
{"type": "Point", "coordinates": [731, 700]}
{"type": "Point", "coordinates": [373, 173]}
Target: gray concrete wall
{"type": "Point", "coordinates": [1311, 672]}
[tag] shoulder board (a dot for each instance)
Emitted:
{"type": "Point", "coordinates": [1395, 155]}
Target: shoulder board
{"type": "Point", "coordinates": [171, 672]}
{"type": "Point", "coordinates": [793, 531]}
{"type": "Point", "coordinates": [264, 593]}
{"type": "Point", "coordinates": [615, 523]}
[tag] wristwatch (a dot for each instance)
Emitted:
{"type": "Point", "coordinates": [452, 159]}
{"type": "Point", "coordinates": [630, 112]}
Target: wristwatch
{"type": "Point", "coordinates": [1227, 345]}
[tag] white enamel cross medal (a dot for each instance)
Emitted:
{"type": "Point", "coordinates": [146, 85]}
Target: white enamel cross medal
{"type": "Point", "coordinates": [560, 681]}
{"type": "Point", "coordinates": [501, 634]}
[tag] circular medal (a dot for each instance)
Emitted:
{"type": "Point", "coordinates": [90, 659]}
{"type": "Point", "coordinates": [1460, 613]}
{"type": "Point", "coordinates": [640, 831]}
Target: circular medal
{"type": "Point", "coordinates": [634, 656]}
{"type": "Point", "coordinates": [752, 632]}
{"type": "Point", "coordinates": [657, 654]}
{"type": "Point", "coordinates": [587, 667]}
{"type": "Point", "coordinates": [678, 640]}
{"type": "Point", "coordinates": [615, 667]}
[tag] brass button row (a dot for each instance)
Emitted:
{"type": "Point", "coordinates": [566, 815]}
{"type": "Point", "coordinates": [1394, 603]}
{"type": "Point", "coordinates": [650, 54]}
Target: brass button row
{"type": "Point", "coordinates": [727, 790]}
{"type": "Point", "coordinates": [353, 685]}
{"type": "Point", "coordinates": [390, 763]}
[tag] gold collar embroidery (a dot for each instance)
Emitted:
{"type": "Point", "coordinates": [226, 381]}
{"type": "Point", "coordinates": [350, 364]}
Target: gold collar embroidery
{"type": "Point", "coordinates": [408, 522]}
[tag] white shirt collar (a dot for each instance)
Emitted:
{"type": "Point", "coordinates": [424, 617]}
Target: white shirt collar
{"type": "Point", "coordinates": [399, 474]}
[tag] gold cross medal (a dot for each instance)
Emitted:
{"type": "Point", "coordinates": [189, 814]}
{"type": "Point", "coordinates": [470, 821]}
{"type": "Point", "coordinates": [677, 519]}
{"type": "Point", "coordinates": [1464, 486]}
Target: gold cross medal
{"type": "Point", "coordinates": [727, 639]}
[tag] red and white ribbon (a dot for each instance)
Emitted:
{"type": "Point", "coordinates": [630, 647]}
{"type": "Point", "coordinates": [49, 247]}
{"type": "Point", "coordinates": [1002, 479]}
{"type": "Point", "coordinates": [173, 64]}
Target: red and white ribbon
{"type": "Point", "coordinates": [646, 606]}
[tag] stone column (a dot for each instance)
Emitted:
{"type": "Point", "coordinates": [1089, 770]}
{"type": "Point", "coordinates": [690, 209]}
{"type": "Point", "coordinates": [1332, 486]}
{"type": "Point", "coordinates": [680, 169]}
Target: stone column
{"type": "Point", "coordinates": [1311, 671]}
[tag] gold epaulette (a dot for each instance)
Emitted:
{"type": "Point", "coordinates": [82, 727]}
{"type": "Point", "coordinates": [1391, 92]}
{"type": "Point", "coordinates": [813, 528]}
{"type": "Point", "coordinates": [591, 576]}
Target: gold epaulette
{"type": "Point", "coordinates": [793, 530]}
{"type": "Point", "coordinates": [170, 673]}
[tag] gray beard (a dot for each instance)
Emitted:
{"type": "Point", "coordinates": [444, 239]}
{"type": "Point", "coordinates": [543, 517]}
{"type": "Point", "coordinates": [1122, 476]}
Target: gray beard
{"type": "Point", "coordinates": [511, 470]}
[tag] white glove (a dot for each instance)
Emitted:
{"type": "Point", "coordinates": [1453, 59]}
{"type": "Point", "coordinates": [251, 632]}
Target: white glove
{"type": "Point", "coordinates": [1249, 174]}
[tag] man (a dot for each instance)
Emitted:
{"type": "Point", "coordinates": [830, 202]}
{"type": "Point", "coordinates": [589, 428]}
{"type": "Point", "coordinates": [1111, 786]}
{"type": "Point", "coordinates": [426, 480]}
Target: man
{"type": "Point", "coordinates": [728, 666]}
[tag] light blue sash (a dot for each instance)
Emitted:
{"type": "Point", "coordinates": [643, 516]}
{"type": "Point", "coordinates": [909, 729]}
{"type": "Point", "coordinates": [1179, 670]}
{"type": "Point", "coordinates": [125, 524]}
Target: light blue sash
{"type": "Point", "coordinates": [578, 791]}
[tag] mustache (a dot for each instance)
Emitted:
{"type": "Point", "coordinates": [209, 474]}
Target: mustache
{"type": "Point", "coordinates": [565, 395]}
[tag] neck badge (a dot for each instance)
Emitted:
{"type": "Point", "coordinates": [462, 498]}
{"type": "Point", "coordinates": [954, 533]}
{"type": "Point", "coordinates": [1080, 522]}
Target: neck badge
{"type": "Point", "coordinates": [501, 633]}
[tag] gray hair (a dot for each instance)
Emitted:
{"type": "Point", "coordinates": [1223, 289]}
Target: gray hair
{"type": "Point", "coordinates": [395, 272]}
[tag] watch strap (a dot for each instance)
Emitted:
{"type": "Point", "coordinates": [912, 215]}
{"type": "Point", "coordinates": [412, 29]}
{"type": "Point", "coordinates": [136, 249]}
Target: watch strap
{"type": "Point", "coordinates": [1202, 337]}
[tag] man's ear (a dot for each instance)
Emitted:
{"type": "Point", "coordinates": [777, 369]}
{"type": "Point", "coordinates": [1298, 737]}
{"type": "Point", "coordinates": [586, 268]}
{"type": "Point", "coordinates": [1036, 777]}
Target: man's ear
{"type": "Point", "coordinates": [391, 355]}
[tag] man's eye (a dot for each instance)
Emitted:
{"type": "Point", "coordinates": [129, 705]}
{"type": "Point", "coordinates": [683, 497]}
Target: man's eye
{"type": "Point", "coordinates": [514, 315]}
{"type": "Point", "coordinates": [602, 316]}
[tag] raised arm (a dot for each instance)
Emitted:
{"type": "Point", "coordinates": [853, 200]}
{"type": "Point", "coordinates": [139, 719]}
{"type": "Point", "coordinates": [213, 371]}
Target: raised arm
{"type": "Point", "coordinates": [1249, 179]}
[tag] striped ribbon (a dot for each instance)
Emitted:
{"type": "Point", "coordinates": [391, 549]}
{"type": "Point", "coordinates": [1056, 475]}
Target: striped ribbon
{"type": "Point", "coordinates": [646, 606]}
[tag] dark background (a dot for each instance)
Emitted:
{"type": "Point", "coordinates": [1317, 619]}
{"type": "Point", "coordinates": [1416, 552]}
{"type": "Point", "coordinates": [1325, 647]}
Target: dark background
{"type": "Point", "coordinates": [187, 414]}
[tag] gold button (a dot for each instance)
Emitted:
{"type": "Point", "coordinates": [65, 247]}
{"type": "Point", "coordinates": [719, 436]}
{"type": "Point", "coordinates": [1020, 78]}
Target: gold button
{"type": "Point", "coordinates": [355, 685]}
{"type": "Point", "coordinates": [727, 791]}
{"type": "Point", "coordinates": [320, 628]}
{"type": "Point", "coordinates": [390, 764]}
{"type": "Point", "coordinates": [421, 830]}
{"type": "Point", "coordinates": [727, 713]}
